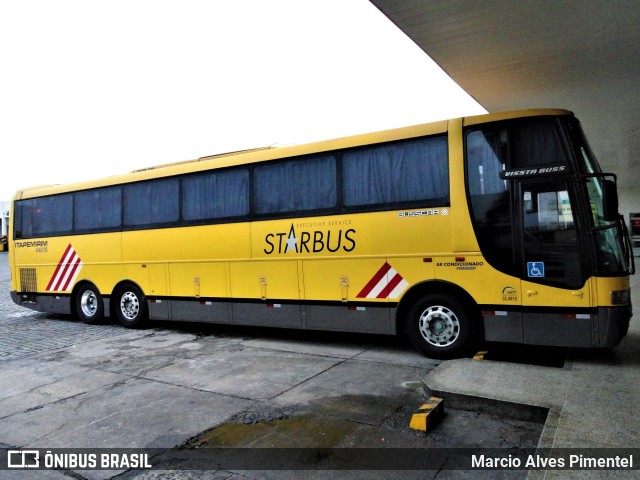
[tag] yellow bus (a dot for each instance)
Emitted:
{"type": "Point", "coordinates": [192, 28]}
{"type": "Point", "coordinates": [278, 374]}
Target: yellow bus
{"type": "Point", "coordinates": [499, 227]}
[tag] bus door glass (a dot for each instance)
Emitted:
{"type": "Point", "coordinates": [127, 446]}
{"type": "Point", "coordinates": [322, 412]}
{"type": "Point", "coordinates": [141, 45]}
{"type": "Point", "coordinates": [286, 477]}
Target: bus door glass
{"type": "Point", "coordinates": [551, 252]}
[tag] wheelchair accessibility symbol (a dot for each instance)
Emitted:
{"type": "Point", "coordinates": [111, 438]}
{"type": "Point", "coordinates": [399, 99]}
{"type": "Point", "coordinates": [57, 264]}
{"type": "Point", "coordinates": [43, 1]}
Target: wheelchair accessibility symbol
{"type": "Point", "coordinates": [535, 269]}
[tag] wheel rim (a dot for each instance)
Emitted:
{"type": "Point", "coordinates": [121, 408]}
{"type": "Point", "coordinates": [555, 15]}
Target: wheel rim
{"type": "Point", "coordinates": [129, 305]}
{"type": "Point", "coordinates": [89, 303]}
{"type": "Point", "coordinates": [439, 326]}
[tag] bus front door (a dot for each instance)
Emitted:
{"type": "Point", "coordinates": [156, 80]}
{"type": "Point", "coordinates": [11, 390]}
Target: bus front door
{"type": "Point", "coordinates": [555, 290]}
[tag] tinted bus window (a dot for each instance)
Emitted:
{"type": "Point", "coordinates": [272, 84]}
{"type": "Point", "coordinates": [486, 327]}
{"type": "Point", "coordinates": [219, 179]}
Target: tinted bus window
{"type": "Point", "coordinates": [44, 216]}
{"type": "Point", "coordinates": [491, 202]}
{"type": "Point", "coordinates": [536, 143]}
{"type": "Point", "coordinates": [400, 172]}
{"type": "Point", "coordinates": [98, 210]}
{"type": "Point", "coordinates": [296, 185]}
{"type": "Point", "coordinates": [152, 202]}
{"type": "Point", "coordinates": [215, 195]}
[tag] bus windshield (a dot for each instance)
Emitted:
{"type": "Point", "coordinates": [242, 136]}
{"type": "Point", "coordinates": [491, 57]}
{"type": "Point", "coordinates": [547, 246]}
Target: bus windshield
{"type": "Point", "coordinates": [608, 235]}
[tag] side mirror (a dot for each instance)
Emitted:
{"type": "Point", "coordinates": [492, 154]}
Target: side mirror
{"type": "Point", "coordinates": [610, 195]}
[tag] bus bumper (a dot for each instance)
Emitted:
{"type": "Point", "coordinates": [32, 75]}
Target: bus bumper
{"type": "Point", "coordinates": [43, 303]}
{"type": "Point", "coordinates": [612, 325]}
{"type": "Point", "coordinates": [14, 297]}
{"type": "Point", "coordinates": [601, 328]}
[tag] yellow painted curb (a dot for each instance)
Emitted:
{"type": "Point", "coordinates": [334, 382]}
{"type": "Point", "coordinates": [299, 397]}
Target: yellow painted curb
{"type": "Point", "coordinates": [428, 415]}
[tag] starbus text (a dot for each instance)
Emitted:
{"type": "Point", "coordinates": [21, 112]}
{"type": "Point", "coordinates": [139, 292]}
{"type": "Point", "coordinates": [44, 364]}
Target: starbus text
{"type": "Point", "coordinates": [310, 242]}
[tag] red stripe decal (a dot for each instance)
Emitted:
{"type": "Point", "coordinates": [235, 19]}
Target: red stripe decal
{"type": "Point", "coordinates": [65, 269]}
{"type": "Point", "coordinates": [55, 273]}
{"type": "Point", "coordinates": [393, 283]}
{"type": "Point", "coordinates": [374, 281]}
{"type": "Point", "coordinates": [74, 268]}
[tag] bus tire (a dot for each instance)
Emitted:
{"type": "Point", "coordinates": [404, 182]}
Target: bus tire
{"type": "Point", "coordinates": [131, 306]}
{"type": "Point", "coordinates": [442, 326]}
{"type": "Point", "coordinates": [89, 305]}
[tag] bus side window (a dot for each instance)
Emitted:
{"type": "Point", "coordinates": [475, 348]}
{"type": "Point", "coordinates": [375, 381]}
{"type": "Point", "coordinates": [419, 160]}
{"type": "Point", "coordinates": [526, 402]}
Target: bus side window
{"type": "Point", "coordinates": [490, 198]}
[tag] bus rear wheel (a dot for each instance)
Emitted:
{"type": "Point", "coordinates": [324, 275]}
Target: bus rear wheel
{"type": "Point", "coordinates": [441, 326]}
{"type": "Point", "coordinates": [131, 306]}
{"type": "Point", "coordinates": [89, 305]}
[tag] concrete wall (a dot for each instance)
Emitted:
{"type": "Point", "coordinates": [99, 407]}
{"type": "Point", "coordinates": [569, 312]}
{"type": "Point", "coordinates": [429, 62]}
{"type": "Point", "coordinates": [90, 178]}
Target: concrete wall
{"type": "Point", "coordinates": [629, 202]}
{"type": "Point", "coordinates": [4, 214]}
{"type": "Point", "coordinates": [629, 199]}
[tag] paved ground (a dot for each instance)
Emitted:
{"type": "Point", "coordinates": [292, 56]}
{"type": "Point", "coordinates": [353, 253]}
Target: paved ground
{"type": "Point", "coordinates": [593, 400]}
{"type": "Point", "coordinates": [64, 384]}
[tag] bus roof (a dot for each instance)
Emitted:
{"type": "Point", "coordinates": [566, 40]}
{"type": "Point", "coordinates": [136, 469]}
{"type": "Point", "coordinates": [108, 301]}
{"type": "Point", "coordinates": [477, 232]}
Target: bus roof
{"type": "Point", "coordinates": [260, 154]}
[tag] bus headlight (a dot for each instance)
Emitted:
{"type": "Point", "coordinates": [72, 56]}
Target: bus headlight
{"type": "Point", "coordinates": [620, 297]}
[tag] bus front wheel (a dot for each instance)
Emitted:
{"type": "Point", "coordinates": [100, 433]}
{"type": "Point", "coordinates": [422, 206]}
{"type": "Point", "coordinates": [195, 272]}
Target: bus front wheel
{"type": "Point", "coordinates": [89, 305]}
{"type": "Point", "coordinates": [441, 326]}
{"type": "Point", "coordinates": [131, 306]}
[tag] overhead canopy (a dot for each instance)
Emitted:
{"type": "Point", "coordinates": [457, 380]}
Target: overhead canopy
{"type": "Point", "coordinates": [582, 55]}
